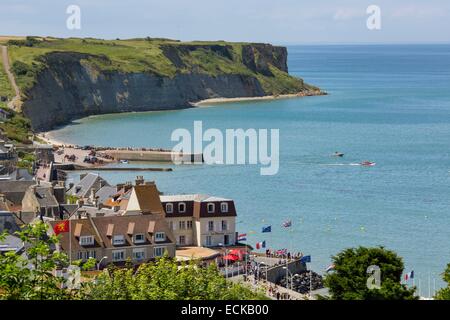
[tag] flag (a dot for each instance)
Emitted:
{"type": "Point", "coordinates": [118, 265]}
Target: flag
{"type": "Point", "coordinates": [260, 245]}
{"type": "Point", "coordinates": [330, 268]}
{"type": "Point", "coordinates": [267, 229]}
{"type": "Point", "coordinates": [281, 251]}
{"type": "Point", "coordinates": [306, 259]}
{"type": "Point", "coordinates": [242, 237]}
{"type": "Point", "coordinates": [409, 275]}
{"type": "Point", "coordinates": [287, 224]}
{"type": "Point", "coordinates": [61, 227]}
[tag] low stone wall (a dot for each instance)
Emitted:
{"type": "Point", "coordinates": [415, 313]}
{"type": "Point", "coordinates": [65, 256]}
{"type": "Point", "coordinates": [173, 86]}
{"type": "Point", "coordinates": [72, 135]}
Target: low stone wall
{"type": "Point", "coordinates": [276, 273]}
{"type": "Point", "coordinates": [157, 156]}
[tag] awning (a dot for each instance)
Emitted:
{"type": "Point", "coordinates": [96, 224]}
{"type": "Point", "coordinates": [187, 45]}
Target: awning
{"type": "Point", "coordinates": [231, 257]}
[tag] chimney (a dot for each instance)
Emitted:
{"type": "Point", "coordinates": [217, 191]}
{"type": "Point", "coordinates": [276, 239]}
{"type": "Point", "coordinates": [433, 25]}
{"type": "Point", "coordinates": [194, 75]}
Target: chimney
{"type": "Point", "coordinates": [139, 180]}
{"type": "Point", "coordinates": [92, 195]}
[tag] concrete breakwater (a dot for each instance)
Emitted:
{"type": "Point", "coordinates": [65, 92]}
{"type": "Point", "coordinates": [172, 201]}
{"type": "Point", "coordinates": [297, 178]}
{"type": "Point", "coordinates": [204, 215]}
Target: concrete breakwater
{"type": "Point", "coordinates": [150, 155]}
{"type": "Point", "coordinates": [74, 167]}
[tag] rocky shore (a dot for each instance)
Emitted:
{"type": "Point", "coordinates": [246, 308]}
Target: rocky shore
{"type": "Point", "coordinates": [303, 282]}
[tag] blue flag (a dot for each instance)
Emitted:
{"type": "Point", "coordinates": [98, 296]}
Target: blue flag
{"type": "Point", "coordinates": [267, 229]}
{"type": "Point", "coordinates": [306, 259]}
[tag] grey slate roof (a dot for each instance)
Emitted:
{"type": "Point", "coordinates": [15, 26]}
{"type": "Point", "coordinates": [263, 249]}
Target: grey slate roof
{"type": "Point", "coordinates": [8, 222]}
{"type": "Point", "coordinates": [45, 197]}
{"type": "Point", "coordinates": [90, 181]}
{"type": "Point", "coordinates": [11, 243]}
{"type": "Point", "coordinates": [105, 193]}
{"type": "Point", "coordinates": [15, 190]}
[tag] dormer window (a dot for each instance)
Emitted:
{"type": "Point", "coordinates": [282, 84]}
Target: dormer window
{"type": "Point", "coordinates": [118, 240]}
{"type": "Point", "coordinates": [211, 207]}
{"type": "Point", "coordinates": [139, 238]}
{"type": "Point", "coordinates": [86, 240]}
{"type": "Point", "coordinates": [182, 207]}
{"type": "Point", "coordinates": [224, 207]}
{"type": "Point", "coordinates": [169, 207]}
{"type": "Point", "coordinates": [160, 236]}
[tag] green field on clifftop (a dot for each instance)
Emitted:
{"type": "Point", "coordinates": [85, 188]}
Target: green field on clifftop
{"type": "Point", "coordinates": [148, 55]}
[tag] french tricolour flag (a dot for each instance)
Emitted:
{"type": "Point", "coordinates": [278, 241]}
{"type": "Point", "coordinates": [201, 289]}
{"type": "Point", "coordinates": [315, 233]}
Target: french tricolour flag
{"type": "Point", "coordinates": [260, 245]}
{"type": "Point", "coordinates": [409, 275]}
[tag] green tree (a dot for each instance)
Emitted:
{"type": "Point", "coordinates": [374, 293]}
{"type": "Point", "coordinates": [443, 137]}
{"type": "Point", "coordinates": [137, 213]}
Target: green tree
{"type": "Point", "coordinates": [444, 293]}
{"type": "Point", "coordinates": [167, 280]}
{"type": "Point", "coordinates": [30, 275]}
{"type": "Point", "coordinates": [349, 280]}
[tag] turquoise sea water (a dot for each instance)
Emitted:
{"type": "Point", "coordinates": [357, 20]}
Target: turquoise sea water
{"type": "Point", "coordinates": [387, 104]}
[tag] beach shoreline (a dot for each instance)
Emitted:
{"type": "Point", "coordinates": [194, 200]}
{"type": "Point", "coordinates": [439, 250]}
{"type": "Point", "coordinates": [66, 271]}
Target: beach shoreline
{"type": "Point", "coordinates": [214, 101]}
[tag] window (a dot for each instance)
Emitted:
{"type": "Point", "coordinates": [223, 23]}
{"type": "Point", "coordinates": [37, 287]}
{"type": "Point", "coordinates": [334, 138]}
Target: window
{"type": "Point", "coordinates": [189, 225]}
{"type": "Point", "coordinates": [224, 225]}
{"type": "Point", "coordinates": [169, 207]}
{"type": "Point", "coordinates": [224, 207]}
{"type": "Point", "coordinates": [210, 225]}
{"type": "Point", "coordinates": [86, 240]}
{"type": "Point", "coordinates": [118, 240]}
{"type": "Point", "coordinates": [211, 207]}
{"type": "Point", "coordinates": [182, 240]}
{"type": "Point", "coordinates": [160, 236]}
{"type": "Point", "coordinates": [79, 255]}
{"type": "Point", "coordinates": [139, 238]}
{"type": "Point", "coordinates": [226, 239]}
{"type": "Point", "coordinates": [93, 254]}
{"type": "Point", "coordinates": [208, 241]}
{"type": "Point", "coordinates": [138, 254]}
{"type": "Point", "coordinates": [87, 255]}
{"type": "Point", "coordinates": [159, 251]}
{"type": "Point", "coordinates": [182, 207]}
{"type": "Point", "coordinates": [118, 255]}
{"type": "Point", "coordinates": [182, 225]}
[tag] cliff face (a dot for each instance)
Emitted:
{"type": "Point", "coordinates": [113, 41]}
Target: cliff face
{"type": "Point", "coordinates": [71, 86]}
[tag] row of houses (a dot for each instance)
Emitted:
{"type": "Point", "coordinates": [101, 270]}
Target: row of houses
{"type": "Point", "coordinates": [129, 221]}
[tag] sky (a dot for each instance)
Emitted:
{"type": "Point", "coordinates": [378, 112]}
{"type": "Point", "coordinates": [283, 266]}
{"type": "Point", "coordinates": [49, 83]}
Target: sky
{"type": "Point", "coordinates": [274, 21]}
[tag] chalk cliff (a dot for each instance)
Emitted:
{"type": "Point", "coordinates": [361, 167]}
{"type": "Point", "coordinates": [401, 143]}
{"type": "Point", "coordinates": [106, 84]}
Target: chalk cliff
{"type": "Point", "coordinates": [70, 84]}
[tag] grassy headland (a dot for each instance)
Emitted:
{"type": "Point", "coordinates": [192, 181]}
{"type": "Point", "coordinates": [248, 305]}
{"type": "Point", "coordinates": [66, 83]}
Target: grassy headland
{"type": "Point", "coordinates": [148, 55]}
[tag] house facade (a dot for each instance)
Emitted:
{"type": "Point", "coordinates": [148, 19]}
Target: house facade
{"type": "Point", "coordinates": [201, 220]}
{"type": "Point", "coordinates": [117, 239]}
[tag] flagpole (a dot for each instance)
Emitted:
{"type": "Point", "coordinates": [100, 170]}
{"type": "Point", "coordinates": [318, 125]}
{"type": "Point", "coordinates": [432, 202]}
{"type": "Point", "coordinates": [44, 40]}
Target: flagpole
{"type": "Point", "coordinates": [310, 283]}
{"type": "Point", "coordinates": [429, 284]}
{"type": "Point", "coordinates": [70, 243]}
{"type": "Point", "coordinates": [418, 286]}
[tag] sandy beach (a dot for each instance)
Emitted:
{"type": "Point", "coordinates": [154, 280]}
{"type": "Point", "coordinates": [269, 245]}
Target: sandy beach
{"type": "Point", "coordinates": [208, 102]}
{"type": "Point", "coordinates": [47, 137]}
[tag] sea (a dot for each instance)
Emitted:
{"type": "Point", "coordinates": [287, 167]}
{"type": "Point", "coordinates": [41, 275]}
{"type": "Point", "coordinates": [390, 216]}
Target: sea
{"type": "Point", "coordinates": [389, 104]}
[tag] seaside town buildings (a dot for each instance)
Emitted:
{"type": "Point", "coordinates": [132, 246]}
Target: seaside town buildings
{"type": "Point", "coordinates": [129, 221]}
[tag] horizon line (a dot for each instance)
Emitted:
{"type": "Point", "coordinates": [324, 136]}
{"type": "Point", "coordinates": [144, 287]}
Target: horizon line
{"type": "Point", "coordinates": [284, 43]}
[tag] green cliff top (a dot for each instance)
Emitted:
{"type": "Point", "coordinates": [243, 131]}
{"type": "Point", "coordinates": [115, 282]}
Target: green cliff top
{"type": "Point", "coordinates": [163, 57]}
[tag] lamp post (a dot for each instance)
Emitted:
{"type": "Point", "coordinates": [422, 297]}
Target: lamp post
{"type": "Point", "coordinates": [226, 261]}
{"type": "Point", "coordinates": [287, 277]}
{"type": "Point", "coordinates": [100, 262]}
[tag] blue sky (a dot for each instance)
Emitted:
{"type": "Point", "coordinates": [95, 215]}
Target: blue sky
{"type": "Point", "coordinates": [276, 21]}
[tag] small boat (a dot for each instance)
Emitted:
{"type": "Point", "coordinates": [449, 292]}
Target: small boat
{"type": "Point", "coordinates": [338, 154]}
{"type": "Point", "coordinates": [124, 161]}
{"type": "Point", "coordinates": [367, 163]}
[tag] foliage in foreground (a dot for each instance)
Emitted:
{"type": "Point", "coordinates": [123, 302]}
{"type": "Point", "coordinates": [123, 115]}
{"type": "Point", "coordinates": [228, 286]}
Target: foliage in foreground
{"type": "Point", "coordinates": [33, 278]}
{"type": "Point", "coordinates": [444, 293]}
{"type": "Point", "coordinates": [166, 280]}
{"type": "Point", "coordinates": [349, 281]}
